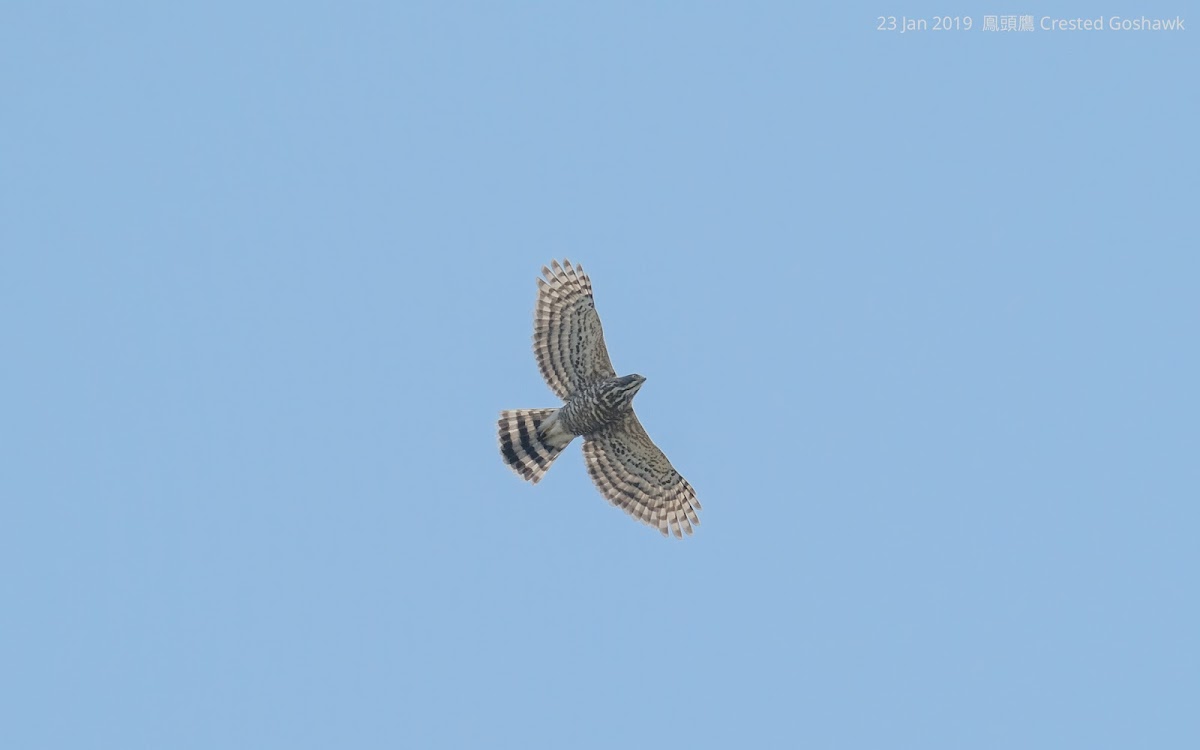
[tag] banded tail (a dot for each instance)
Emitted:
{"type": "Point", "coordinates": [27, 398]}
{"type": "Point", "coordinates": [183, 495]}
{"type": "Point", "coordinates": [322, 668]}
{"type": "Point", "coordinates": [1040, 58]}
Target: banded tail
{"type": "Point", "coordinates": [530, 440]}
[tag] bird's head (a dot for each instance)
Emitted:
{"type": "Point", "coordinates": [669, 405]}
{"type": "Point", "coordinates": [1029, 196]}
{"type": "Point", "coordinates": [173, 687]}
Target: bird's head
{"type": "Point", "coordinates": [628, 386]}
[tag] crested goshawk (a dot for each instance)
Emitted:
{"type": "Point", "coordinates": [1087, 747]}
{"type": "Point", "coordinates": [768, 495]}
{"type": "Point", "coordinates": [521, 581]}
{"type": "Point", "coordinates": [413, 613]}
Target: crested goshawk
{"type": "Point", "coordinates": [627, 467]}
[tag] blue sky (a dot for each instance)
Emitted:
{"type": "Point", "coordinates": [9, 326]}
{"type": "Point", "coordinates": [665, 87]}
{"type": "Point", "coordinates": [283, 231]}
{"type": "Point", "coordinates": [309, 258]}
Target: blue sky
{"type": "Point", "coordinates": [918, 315]}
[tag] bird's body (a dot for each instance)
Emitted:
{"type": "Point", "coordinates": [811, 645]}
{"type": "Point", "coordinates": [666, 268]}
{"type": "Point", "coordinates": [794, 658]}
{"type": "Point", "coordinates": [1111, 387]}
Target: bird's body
{"type": "Point", "coordinates": [599, 404]}
{"type": "Point", "coordinates": [627, 467]}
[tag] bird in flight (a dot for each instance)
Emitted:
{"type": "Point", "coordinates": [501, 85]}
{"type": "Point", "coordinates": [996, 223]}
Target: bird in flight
{"type": "Point", "coordinates": [628, 468]}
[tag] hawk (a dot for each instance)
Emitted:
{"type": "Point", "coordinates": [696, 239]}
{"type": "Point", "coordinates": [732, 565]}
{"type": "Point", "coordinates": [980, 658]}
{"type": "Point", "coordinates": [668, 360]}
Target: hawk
{"type": "Point", "coordinates": [628, 468]}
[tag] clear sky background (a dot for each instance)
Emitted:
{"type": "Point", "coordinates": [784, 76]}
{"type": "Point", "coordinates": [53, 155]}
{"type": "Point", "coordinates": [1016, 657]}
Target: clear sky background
{"type": "Point", "coordinates": [918, 315]}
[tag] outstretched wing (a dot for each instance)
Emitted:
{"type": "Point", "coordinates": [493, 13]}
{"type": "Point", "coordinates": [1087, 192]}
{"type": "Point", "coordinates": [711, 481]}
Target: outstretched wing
{"type": "Point", "coordinates": [567, 337]}
{"type": "Point", "coordinates": [634, 475]}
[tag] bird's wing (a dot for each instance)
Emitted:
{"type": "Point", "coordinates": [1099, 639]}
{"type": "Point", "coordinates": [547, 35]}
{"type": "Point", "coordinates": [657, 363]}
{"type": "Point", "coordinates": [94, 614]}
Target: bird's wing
{"type": "Point", "coordinates": [633, 474]}
{"type": "Point", "coordinates": [567, 337]}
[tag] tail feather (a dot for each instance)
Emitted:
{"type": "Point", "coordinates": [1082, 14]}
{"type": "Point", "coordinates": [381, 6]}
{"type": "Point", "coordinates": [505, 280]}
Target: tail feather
{"type": "Point", "coordinates": [526, 444]}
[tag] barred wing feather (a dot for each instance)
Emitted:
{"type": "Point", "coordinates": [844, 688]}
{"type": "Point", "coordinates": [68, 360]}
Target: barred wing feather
{"type": "Point", "coordinates": [633, 474]}
{"type": "Point", "coordinates": [567, 337]}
